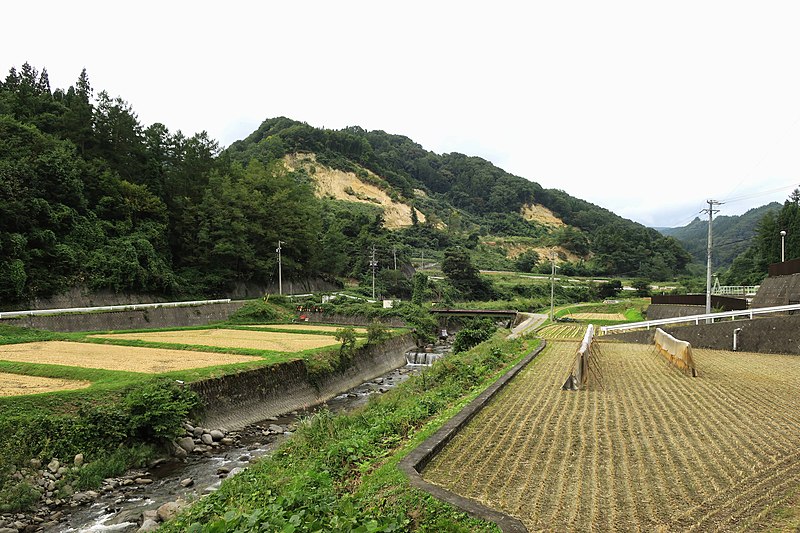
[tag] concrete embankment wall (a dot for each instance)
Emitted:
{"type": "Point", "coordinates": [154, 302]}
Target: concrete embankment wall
{"type": "Point", "coordinates": [659, 311]}
{"type": "Point", "coordinates": [236, 400]}
{"type": "Point", "coordinates": [779, 334]}
{"type": "Point", "coordinates": [158, 317]}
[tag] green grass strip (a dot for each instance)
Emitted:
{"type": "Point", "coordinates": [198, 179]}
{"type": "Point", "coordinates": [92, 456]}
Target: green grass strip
{"type": "Point", "coordinates": [339, 473]}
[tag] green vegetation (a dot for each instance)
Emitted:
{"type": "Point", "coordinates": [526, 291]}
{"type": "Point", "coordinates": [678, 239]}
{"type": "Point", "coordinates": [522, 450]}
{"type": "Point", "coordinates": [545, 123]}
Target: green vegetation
{"type": "Point", "coordinates": [91, 197]}
{"type": "Point", "coordinates": [115, 430]}
{"type": "Point", "coordinates": [339, 473]}
{"type": "Point", "coordinates": [473, 332]}
{"type": "Point", "coordinates": [752, 265]}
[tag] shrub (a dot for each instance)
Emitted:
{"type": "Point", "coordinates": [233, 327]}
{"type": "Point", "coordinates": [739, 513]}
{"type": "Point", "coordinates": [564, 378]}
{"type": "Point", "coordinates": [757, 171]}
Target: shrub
{"type": "Point", "coordinates": [157, 410]}
{"type": "Point", "coordinates": [473, 334]}
{"type": "Point", "coordinates": [376, 332]}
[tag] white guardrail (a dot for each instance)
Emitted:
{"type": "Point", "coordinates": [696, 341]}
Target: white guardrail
{"type": "Point", "coordinates": [131, 307]}
{"type": "Point", "coordinates": [747, 313]}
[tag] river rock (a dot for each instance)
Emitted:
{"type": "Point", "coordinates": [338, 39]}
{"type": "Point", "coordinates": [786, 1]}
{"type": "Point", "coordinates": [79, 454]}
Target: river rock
{"type": "Point", "coordinates": [148, 525]}
{"type": "Point", "coordinates": [81, 497]}
{"type": "Point", "coordinates": [168, 511]}
{"type": "Point", "coordinates": [227, 441]}
{"type": "Point", "coordinates": [179, 453]}
{"type": "Point", "coordinates": [8, 530]}
{"type": "Point", "coordinates": [53, 466]}
{"type": "Point", "coordinates": [36, 464]}
{"type": "Point", "coordinates": [187, 443]}
{"type": "Point", "coordinates": [188, 482]}
{"type": "Point", "coordinates": [275, 428]}
{"type": "Point", "coordinates": [216, 434]}
{"type": "Point", "coordinates": [197, 432]}
{"type": "Point", "coordinates": [143, 481]}
{"type": "Point", "coordinates": [207, 439]}
{"type": "Point", "coordinates": [78, 460]}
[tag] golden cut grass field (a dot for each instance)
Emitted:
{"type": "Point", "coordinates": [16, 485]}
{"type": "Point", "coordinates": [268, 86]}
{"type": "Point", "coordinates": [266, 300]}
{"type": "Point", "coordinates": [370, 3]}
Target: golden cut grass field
{"type": "Point", "coordinates": [305, 327]}
{"type": "Point", "coordinates": [18, 384]}
{"type": "Point", "coordinates": [649, 449]}
{"type": "Point", "coordinates": [231, 338]}
{"type": "Point", "coordinates": [112, 357]}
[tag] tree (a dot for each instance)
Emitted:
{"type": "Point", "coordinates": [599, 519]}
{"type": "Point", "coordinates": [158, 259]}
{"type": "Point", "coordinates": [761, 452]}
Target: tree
{"type": "Point", "coordinates": [463, 276]}
{"type": "Point", "coordinates": [347, 336]}
{"type": "Point", "coordinates": [609, 289]}
{"type": "Point", "coordinates": [419, 290]}
{"type": "Point", "coordinates": [527, 261]}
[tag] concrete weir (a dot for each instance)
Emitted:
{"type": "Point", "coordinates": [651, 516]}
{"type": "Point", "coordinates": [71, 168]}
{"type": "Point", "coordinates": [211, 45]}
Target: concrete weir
{"type": "Point", "coordinates": [236, 400]}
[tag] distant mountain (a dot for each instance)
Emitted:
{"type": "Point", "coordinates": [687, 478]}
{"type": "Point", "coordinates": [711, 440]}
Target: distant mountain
{"type": "Point", "coordinates": [732, 235]}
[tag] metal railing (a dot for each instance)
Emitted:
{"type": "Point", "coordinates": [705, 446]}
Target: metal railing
{"type": "Point", "coordinates": [736, 290]}
{"type": "Point", "coordinates": [105, 308]}
{"type": "Point", "coordinates": [747, 313]}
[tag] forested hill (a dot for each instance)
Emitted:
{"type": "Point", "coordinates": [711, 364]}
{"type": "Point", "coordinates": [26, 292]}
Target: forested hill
{"type": "Point", "coordinates": [461, 190]}
{"type": "Point", "coordinates": [732, 234]}
{"type": "Point", "coordinates": [91, 197]}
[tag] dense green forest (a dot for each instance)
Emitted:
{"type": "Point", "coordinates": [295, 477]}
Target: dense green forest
{"type": "Point", "coordinates": [751, 266]}
{"type": "Point", "coordinates": [732, 235]}
{"type": "Point", "coordinates": [91, 197]}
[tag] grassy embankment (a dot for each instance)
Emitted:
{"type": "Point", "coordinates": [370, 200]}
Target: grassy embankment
{"type": "Point", "coordinates": [123, 418]}
{"type": "Point", "coordinates": [339, 473]}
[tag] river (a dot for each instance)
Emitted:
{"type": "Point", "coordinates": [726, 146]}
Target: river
{"type": "Point", "coordinates": [121, 508]}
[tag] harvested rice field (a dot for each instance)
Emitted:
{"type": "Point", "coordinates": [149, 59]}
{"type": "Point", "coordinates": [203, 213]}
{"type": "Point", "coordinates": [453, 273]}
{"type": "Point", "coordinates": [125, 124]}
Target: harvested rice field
{"type": "Point", "coordinates": [17, 385]}
{"type": "Point", "coordinates": [646, 449]}
{"type": "Point", "coordinates": [232, 338]}
{"type": "Point", "coordinates": [598, 316]}
{"type": "Point", "coordinates": [111, 357]}
{"type": "Point", "coordinates": [562, 331]}
{"type": "Point", "coordinates": [305, 327]}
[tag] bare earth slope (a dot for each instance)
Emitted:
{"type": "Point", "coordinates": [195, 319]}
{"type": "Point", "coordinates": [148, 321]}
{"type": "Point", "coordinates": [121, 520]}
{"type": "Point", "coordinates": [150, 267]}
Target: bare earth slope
{"type": "Point", "coordinates": [347, 186]}
{"type": "Point", "coordinates": [650, 450]}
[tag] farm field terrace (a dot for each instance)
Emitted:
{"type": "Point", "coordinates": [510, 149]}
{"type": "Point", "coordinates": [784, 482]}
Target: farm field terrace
{"type": "Point", "coordinates": [644, 448]}
{"type": "Point", "coordinates": [305, 327]}
{"type": "Point", "coordinates": [32, 363]}
{"type": "Point", "coordinates": [112, 357]}
{"type": "Point", "coordinates": [230, 338]}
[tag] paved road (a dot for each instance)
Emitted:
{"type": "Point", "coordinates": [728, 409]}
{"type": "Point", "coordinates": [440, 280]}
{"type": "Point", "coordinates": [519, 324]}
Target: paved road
{"type": "Point", "coordinates": [533, 321]}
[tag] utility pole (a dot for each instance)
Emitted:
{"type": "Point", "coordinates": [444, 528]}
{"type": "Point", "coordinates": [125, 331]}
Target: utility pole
{"type": "Point", "coordinates": [422, 266]}
{"type": "Point", "coordinates": [552, 284]}
{"type": "Point", "coordinates": [374, 264]}
{"type": "Point", "coordinates": [280, 278]}
{"type": "Point", "coordinates": [394, 254]}
{"type": "Point", "coordinates": [710, 211]}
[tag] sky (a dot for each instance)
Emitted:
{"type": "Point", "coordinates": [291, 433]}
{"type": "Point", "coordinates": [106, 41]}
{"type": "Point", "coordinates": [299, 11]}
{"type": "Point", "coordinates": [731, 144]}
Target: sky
{"type": "Point", "coordinates": [648, 109]}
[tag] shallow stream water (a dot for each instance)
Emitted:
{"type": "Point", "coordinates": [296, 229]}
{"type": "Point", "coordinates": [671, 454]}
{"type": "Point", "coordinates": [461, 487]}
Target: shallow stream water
{"type": "Point", "coordinates": [122, 508]}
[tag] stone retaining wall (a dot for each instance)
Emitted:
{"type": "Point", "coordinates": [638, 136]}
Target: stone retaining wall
{"type": "Point", "coordinates": [779, 334]}
{"type": "Point", "coordinates": [158, 317]}
{"type": "Point", "coordinates": [236, 400]}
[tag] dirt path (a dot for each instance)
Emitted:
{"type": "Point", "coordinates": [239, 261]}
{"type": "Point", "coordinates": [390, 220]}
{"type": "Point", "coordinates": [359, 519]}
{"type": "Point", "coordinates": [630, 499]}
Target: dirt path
{"type": "Point", "coordinates": [650, 450]}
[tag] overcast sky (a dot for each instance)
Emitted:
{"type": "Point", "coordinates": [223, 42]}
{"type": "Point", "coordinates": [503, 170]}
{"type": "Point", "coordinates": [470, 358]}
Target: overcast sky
{"type": "Point", "coordinates": [647, 109]}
